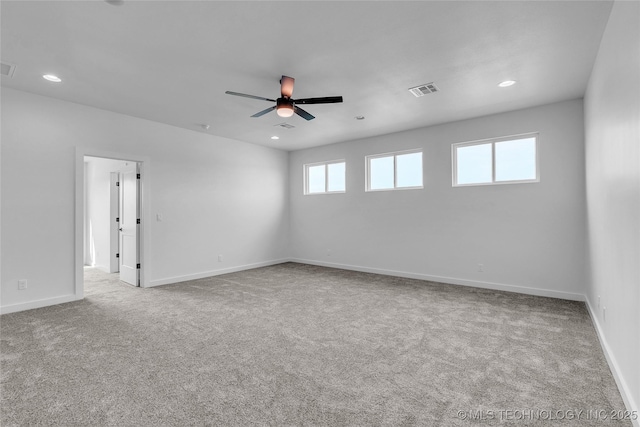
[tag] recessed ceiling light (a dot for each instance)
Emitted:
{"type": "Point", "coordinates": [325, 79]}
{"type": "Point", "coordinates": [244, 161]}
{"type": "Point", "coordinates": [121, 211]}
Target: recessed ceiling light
{"type": "Point", "coordinates": [275, 137]}
{"type": "Point", "coordinates": [52, 78]}
{"type": "Point", "coordinates": [359, 117]}
{"type": "Point", "coordinates": [507, 83]}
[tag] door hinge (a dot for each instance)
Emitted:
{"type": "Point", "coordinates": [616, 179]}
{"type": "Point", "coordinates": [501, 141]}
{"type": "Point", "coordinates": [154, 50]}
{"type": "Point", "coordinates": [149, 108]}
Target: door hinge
{"type": "Point", "coordinates": [138, 266]}
{"type": "Point", "coordinates": [138, 176]}
{"type": "Point", "coordinates": [117, 255]}
{"type": "Point", "coordinates": [118, 219]}
{"type": "Point", "coordinates": [117, 184]}
{"type": "Point", "coordinates": [138, 221]}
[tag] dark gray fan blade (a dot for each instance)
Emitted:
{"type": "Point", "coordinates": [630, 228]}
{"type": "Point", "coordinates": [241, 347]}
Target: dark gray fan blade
{"type": "Point", "coordinates": [249, 96]}
{"type": "Point", "coordinates": [299, 111]}
{"type": "Point", "coordinates": [325, 100]}
{"type": "Point", "coordinates": [263, 112]}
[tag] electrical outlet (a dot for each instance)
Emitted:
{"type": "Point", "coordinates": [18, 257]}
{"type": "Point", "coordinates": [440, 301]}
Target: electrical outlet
{"type": "Point", "coordinates": [219, 258]}
{"type": "Point", "coordinates": [328, 252]}
{"type": "Point", "coordinates": [158, 217]}
{"type": "Point", "coordinates": [22, 284]}
{"type": "Point", "coordinates": [480, 268]}
{"type": "Point", "coordinates": [598, 301]}
{"type": "Point", "coordinates": [604, 314]}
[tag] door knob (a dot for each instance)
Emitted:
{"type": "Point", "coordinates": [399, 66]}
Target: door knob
{"type": "Point", "coordinates": [120, 228]}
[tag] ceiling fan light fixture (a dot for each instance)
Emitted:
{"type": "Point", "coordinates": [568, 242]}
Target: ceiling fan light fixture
{"type": "Point", "coordinates": [285, 111]}
{"type": "Point", "coordinates": [284, 107]}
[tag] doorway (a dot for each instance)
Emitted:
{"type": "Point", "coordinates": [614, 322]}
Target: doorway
{"type": "Point", "coordinates": [112, 218]}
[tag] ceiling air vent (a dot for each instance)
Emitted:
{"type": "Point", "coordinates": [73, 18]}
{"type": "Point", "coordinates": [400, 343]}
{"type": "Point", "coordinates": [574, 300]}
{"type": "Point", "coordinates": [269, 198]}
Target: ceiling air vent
{"type": "Point", "coordinates": [424, 89]}
{"type": "Point", "coordinates": [285, 125]}
{"type": "Point", "coordinates": [8, 69]}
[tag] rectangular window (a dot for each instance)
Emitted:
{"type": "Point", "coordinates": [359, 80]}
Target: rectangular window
{"type": "Point", "coordinates": [326, 177]}
{"type": "Point", "coordinates": [506, 160]}
{"type": "Point", "coordinates": [391, 171]}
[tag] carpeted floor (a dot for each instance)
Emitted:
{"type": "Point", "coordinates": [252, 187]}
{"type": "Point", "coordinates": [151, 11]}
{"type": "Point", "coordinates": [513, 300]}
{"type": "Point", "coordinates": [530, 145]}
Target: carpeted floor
{"type": "Point", "coordinates": [295, 344]}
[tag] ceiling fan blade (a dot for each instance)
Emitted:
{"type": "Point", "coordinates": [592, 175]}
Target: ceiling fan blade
{"type": "Point", "coordinates": [286, 86]}
{"type": "Point", "coordinates": [263, 112]}
{"type": "Point", "coordinates": [325, 100]}
{"type": "Point", "coordinates": [249, 96]}
{"type": "Point", "coordinates": [299, 111]}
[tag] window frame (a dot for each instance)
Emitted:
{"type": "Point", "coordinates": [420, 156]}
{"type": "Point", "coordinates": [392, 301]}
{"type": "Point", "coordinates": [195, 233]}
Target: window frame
{"type": "Point", "coordinates": [395, 154]}
{"type": "Point", "coordinates": [305, 174]}
{"type": "Point", "coordinates": [493, 142]}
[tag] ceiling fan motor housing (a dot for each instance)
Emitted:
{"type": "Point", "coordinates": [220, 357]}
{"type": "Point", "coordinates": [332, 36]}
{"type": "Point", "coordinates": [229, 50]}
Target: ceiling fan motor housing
{"type": "Point", "coordinates": [284, 102]}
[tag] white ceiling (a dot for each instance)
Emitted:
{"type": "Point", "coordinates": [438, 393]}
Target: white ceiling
{"type": "Point", "coordinates": [171, 61]}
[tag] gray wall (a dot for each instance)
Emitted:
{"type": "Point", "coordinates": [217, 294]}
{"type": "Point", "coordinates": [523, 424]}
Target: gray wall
{"type": "Point", "coordinates": [529, 237]}
{"type": "Point", "coordinates": [217, 196]}
{"type": "Point", "coordinates": [612, 123]}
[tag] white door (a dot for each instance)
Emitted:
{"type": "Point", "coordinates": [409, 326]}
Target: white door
{"type": "Point", "coordinates": [114, 228]}
{"type": "Point", "coordinates": [129, 263]}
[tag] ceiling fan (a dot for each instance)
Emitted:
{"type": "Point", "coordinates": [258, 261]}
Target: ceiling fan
{"type": "Point", "coordinates": [285, 105]}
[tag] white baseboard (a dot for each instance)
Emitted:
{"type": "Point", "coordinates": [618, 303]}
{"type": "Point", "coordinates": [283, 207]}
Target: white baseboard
{"type": "Point", "coordinates": [613, 365]}
{"type": "Point", "coordinates": [202, 275]}
{"type": "Point", "coordinates": [70, 298]}
{"type": "Point", "coordinates": [450, 280]}
{"type": "Point", "coordinates": [38, 304]}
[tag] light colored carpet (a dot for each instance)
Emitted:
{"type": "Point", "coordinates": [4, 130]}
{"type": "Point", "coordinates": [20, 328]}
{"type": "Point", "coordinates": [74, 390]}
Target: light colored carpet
{"type": "Point", "coordinates": [295, 344]}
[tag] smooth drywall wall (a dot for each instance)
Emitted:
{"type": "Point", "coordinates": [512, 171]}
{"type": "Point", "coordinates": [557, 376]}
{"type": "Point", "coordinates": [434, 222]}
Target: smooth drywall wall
{"type": "Point", "coordinates": [528, 237]}
{"type": "Point", "coordinates": [612, 123]}
{"type": "Point", "coordinates": [216, 196]}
